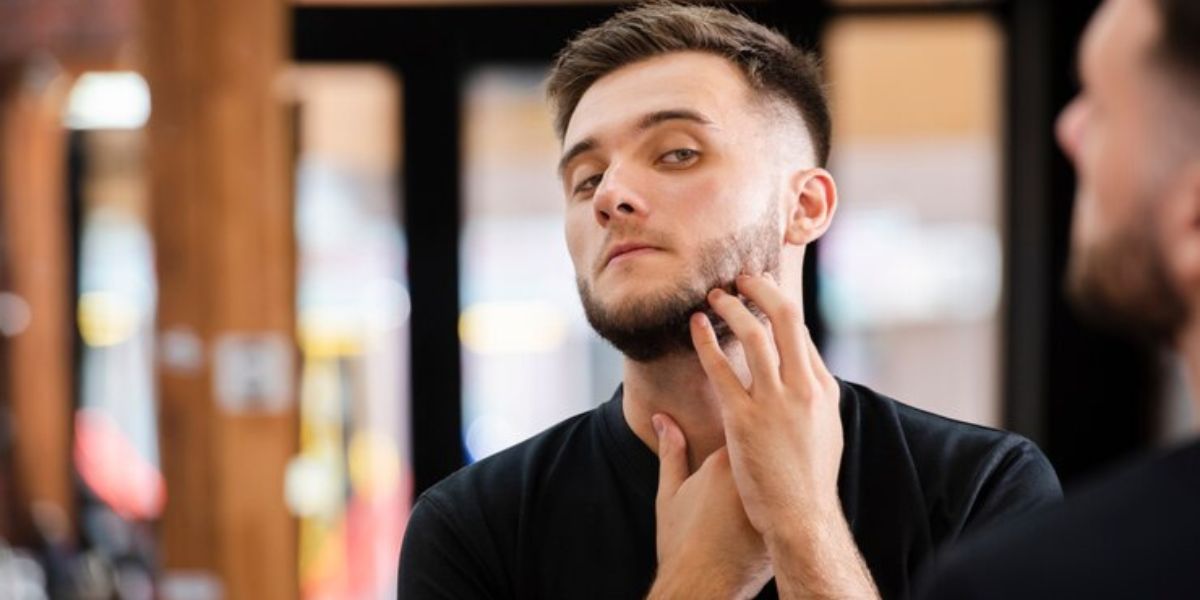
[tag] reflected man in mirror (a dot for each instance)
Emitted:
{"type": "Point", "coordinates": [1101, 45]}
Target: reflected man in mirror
{"type": "Point", "coordinates": [1133, 136]}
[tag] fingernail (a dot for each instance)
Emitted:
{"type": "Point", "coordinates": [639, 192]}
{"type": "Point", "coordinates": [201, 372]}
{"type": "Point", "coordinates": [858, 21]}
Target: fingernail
{"type": "Point", "coordinates": [658, 426]}
{"type": "Point", "coordinates": [716, 293]}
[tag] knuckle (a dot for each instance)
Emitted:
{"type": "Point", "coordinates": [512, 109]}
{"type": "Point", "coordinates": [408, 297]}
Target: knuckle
{"type": "Point", "coordinates": [755, 337]}
{"type": "Point", "coordinates": [805, 391]}
{"type": "Point", "coordinates": [772, 390]}
{"type": "Point", "coordinates": [790, 313]}
{"type": "Point", "coordinates": [802, 327]}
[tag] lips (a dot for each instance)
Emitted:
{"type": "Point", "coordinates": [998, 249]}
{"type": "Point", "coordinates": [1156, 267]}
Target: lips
{"type": "Point", "coordinates": [625, 248]}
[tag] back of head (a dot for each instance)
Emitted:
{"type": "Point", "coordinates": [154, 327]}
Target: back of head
{"type": "Point", "coordinates": [1176, 54]}
{"type": "Point", "coordinates": [1179, 46]}
{"type": "Point", "coordinates": [772, 64]}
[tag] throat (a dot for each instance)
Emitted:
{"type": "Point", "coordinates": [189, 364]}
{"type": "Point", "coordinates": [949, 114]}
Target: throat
{"type": "Point", "coordinates": [680, 390]}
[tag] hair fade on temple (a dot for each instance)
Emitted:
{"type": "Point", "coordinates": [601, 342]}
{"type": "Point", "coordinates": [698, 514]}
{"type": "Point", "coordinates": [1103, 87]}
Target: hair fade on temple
{"type": "Point", "coordinates": [770, 62]}
{"type": "Point", "coordinates": [1179, 46]}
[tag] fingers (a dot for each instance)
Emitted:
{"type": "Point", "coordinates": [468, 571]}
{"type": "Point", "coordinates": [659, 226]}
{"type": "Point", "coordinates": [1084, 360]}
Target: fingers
{"type": "Point", "coordinates": [756, 341]}
{"type": "Point", "coordinates": [713, 360]}
{"type": "Point", "coordinates": [817, 366]}
{"type": "Point", "coordinates": [672, 457]}
{"type": "Point", "coordinates": [792, 339]}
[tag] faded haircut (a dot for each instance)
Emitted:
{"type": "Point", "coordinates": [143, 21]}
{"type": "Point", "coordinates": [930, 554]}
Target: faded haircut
{"type": "Point", "coordinates": [1175, 59]}
{"type": "Point", "coordinates": [772, 65]}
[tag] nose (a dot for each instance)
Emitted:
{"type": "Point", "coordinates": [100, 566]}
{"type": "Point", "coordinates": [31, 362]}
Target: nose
{"type": "Point", "coordinates": [615, 198]}
{"type": "Point", "coordinates": [1070, 128]}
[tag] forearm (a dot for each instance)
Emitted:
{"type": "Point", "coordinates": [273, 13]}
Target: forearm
{"type": "Point", "coordinates": [818, 558]}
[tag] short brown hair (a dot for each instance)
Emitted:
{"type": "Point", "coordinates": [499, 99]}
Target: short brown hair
{"type": "Point", "coordinates": [1179, 47]}
{"type": "Point", "coordinates": [770, 62]}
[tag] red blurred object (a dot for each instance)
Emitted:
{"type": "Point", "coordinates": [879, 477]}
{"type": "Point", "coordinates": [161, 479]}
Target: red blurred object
{"type": "Point", "coordinates": [114, 470]}
{"type": "Point", "coordinates": [359, 559]}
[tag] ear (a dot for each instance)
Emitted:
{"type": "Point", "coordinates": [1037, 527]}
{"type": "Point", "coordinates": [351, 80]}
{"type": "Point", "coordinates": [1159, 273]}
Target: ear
{"type": "Point", "coordinates": [812, 201]}
{"type": "Point", "coordinates": [1181, 228]}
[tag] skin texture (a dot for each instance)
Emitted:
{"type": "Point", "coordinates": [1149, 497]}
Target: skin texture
{"type": "Point", "coordinates": [1131, 135]}
{"type": "Point", "coordinates": [1115, 137]}
{"type": "Point", "coordinates": [654, 327]}
{"type": "Point", "coordinates": [744, 419]}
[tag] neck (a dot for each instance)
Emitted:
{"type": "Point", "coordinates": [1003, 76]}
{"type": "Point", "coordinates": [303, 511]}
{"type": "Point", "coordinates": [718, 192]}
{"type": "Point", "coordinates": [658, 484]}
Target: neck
{"type": "Point", "coordinates": [677, 386]}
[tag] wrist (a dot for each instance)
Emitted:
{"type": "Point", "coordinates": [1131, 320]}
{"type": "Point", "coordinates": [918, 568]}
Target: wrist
{"type": "Point", "coordinates": [817, 557]}
{"type": "Point", "coordinates": [797, 524]}
{"type": "Point", "coordinates": [814, 532]}
{"type": "Point", "coordinates": [690, 580]}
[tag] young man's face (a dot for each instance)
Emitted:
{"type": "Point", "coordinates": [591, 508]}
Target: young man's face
{"type": "Point", "coordinates": [673, 188]}
{"type": "Point", "coordinates": [1113, 133]}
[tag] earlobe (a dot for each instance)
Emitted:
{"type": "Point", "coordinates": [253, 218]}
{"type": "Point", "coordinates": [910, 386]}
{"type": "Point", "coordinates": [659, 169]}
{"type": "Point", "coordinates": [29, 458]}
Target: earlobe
{"type": "Point", "coordinates": [1182, 214]}
{"type": "Point", "coordinates": [813, 203]}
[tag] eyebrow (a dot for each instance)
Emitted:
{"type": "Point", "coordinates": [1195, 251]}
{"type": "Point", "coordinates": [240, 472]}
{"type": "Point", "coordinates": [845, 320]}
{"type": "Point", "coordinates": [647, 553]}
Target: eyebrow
{"type": "Point", "coordinates": [646, 122]}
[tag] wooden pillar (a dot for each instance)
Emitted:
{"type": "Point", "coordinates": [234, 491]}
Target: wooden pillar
{"type": "Point", "coordinates": [36, 268]}
{"type": "Point", "coordinates": [220, 172]}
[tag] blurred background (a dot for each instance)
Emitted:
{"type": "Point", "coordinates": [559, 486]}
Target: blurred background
{"type": "Point", "coordinates": [268, 270]}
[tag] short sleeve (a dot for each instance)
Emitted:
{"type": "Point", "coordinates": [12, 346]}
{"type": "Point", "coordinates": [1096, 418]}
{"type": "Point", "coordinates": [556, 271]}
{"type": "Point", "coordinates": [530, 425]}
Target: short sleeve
{"type": "Point", "coordinates": [437, 558]}
{"type": "Point", "coordinates": [1019, 481]}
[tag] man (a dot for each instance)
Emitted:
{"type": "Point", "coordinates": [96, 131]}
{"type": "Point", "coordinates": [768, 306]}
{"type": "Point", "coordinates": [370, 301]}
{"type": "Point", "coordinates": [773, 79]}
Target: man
{"type": "Point", "coordinates": [730, 463]}
{"type": "Point", "coordinates": [1133, 134]}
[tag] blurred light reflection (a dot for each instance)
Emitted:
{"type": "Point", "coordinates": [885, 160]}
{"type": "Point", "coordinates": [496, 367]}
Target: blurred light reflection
{"type": "Point", "coordinates": [108, 100]}
{"type": "Point", "coordinates": [350, 482]}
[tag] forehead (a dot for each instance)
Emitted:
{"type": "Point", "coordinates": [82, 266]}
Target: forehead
{"type": "Point", "coordinates": [1118, 39]}
{"type": "Point", "coordinates": [700, 81]}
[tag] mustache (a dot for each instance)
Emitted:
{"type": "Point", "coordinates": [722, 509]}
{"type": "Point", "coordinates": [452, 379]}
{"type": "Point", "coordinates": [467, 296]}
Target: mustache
{"type": "Point", "coordinates": [643, 236]}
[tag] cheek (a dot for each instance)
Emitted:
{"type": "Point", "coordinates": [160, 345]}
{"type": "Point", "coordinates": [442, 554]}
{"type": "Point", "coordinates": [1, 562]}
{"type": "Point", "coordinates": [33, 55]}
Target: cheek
{"type": "Point", "coordinates": [1112, 173]}
{"type": "Point", "coordinates": [576, 234]}
{"type": "Point", "coordinates": [1099, 209]}
{"type": "Point", "coordinates": [1108, 181]}
{"type": "Point", "coordinates": [709, 200]}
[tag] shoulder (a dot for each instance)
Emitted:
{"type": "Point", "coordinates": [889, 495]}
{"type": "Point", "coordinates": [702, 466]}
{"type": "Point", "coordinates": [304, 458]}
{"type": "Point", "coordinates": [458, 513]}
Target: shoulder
{"type": "Point", "coordinates": [1132, 533]}
{"type": "Point", "coordinates": [505, 476]}
{"type": "Point", "coordinates": [970, 473]}
{"type": "Point", "coordinates": [933, 439]}
{"type": "Point", "coordinates": [462, 533]}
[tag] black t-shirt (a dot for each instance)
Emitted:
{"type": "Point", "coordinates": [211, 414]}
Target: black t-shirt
{"type": "Point", "coordinates": [1133, 535]}
{"type": "Point", "coordinates": [570, 512]}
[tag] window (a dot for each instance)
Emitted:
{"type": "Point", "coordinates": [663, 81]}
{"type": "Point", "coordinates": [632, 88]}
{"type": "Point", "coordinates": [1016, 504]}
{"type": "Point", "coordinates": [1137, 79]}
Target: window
{"type": "Point", "coordinates": [529, 357]}
{"type": "Point", "coordinates": [351, 483]}
{"type": "Point", "coordinates": [911, 271]}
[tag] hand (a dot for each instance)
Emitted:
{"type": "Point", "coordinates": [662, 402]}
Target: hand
{"type": "Point", "coordinates": [706, 544]}
{"type": "Point", "coordinates": [784, 432]}
{"type": "Point", "coordinates": [784, 435]}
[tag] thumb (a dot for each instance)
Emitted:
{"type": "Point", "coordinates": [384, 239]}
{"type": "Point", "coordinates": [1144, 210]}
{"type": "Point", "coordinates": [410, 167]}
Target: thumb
{"type": "Point", "coordinates": [672, 456]}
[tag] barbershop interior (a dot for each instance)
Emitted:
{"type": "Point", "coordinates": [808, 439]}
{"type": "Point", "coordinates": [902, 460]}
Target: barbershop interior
{"type": "Point", "coordinates": [271, 269]}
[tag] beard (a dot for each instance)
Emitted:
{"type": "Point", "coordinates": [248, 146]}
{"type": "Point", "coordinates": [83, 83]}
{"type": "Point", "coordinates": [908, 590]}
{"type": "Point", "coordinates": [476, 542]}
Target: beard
{"type": "Point", "coordinates": [1121, 283]}
{"type": "Point", "coordinates": [649, 328]}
